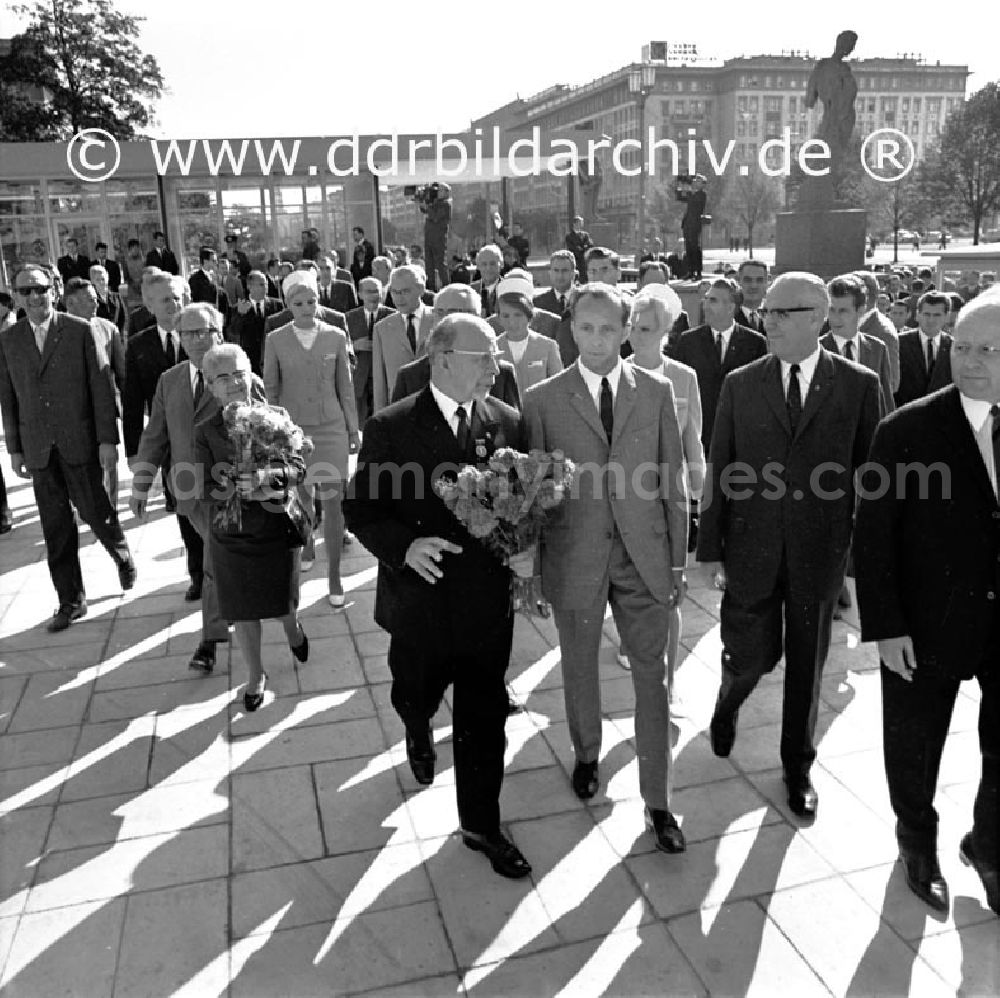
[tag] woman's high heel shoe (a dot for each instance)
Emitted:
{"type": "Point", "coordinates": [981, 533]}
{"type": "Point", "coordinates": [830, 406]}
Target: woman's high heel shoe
{"type": "Point", "coordinates": [252, 701]}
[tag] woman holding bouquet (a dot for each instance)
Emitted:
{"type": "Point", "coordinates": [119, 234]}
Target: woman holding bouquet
{"type": "Point", "coordinates": [256, 566]}
{"type": "Point", "coordinates": [654, 311]}
{"type": "Point", "coordinates": [306, 371]}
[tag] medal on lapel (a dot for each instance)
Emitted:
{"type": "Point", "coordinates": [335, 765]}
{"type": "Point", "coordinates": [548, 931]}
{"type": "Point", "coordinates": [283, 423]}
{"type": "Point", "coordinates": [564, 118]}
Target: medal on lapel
{"type": "Point", "coordinates": [481, 449]}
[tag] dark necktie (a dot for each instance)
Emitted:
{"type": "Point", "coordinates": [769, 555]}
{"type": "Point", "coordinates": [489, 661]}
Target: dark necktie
{"type": "Point", "coordinates": [849, 350]}
{"type": "Point", "coordinates": [199, 389]}
{"type": "Point", "coordinates": [562, 304]}
{"type": "Point", "coordinates": [411, 333]}
{"type": "Point", "coordinates": [371, 324]}
{"type": "Point", "coordinates": [607, 408]}
{"type": "Point", "coordinates": [259, 306]}
{"type": "Point", "coordinates": [170, 352]}
{"type": "Point", "coordinates": [720, 347]}
{"type": "Point", "coordinates": [463, 431]}
{"type": "Point", "coordinates": [794, 398]}
{"type": "Point", "coordinates": [930, 358]}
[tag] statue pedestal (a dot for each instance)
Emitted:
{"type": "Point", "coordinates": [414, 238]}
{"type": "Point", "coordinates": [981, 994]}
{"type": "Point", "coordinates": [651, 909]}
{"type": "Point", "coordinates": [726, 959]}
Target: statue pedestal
{"type": "Point", "coordinates": [824, 241]}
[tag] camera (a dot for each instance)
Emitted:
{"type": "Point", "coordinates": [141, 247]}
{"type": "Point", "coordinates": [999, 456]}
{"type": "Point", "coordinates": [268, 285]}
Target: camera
{"type": "Point", "coordinates": [424, 194]}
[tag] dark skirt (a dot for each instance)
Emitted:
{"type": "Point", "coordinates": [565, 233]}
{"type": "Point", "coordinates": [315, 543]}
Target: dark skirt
{"type": "Point", "coordinates": [256, 572]}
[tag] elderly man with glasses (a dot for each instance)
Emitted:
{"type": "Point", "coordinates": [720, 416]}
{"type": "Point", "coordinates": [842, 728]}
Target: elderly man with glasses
{"type": "Point", "coordinates": [790, 431]}
{"type": "Point", "coordinates": [58, 403]}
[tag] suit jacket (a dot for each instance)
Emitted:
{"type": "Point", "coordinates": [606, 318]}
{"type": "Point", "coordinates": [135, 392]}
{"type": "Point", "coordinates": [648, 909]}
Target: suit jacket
{"type": "Point", "coordinates": [357, 328]}
{"type": "Point", "coordinates": [145, 361]}
{"type": "Point", "coordinates": [914, 382]}
{"type": "Point", "coordinates": [539, 361]}
{"type": "Point", "coordinates": [391, 350]}
{"type": "Point", "coordinates": [164, 259]}
{"type": "Point", "coordinates": [412, 377]}
{"type": "Point", "coordinates": [313, 385]}
{"type": "Point", "coordinates": [204, 289]}
{"type": "Point", "coordinates": [576, 545]}
{"type": "Point", "coordinates": [487, 299]}
{"type": "Point", "coordinates": [323, 314]}
{"type": "Point", "coordinates": [873, 355]}
{"type": "Point", "coordinates": [743, 318]}
{"type": "Point", "coordinates": [69, 268]}
{"type": "Point", "coordinates": [62, 398]}
{"type": "Point", "coordinates": [927, 546]}
{"type": "Point", "coordinates": [545, 323]}
{"type": "Point", "coordinates": [785, 513]}
{"type": "Point", "coordinates": [107, 336]}
{"type": "Point", "coordinates": [691, 221]}
{"type": "Point", "coordinates": [696, 348]}
{"type": "Point", "coordinates": [877, 325]}
{"type": "Point", "coordinates": [342, 297]}
{"type": "Point", "coordinates": [361, 260]}
{"type": "Point", "coordinates": [247, 330]}
{"type": "Point", "coordinates": [114, 273]}
{"type": "Point", "coordinates": [388, 511]}
{"type": "Point", "coordinates": [549, 300]}
{"type": "Point", "coordinates": [113, 309]}
{"type": "Point", "coordinates": [139, 319]}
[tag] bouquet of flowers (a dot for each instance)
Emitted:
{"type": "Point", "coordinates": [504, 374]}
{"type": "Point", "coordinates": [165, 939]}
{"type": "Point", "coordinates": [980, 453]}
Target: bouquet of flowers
{"type": "Point", "coordinates": [265, 439]}
{"type": "Point", "coordinates": [504, 504]}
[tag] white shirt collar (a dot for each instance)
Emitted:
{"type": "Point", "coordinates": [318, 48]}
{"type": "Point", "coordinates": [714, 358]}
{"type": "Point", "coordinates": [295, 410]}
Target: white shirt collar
{"type": "Point", "coordinates": [449, 406]}
{"type": "Point", "coordinates": [842, 340]}
{"type": "Point", "coordinates": [726, 333]}
{"type": "Point", "coordinates": [976, 411]}
{"type": "Point", "coordinates": [42, 326]}
{"type": "Point", "coordinates": [193, 375]}
{"type": "Point", "coordinates": [163, 337]}
{"type": "Point", "coordinates": [936, 340]}
{"type": "Point", "coordinates": [807, 368]}
{"type": "Point", "coordinates": [593, 381]}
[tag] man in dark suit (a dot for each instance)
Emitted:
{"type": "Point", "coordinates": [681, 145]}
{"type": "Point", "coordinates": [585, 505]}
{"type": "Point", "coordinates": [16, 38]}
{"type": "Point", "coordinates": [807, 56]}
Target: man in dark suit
{"type": "Point", "coordinates": [718, 347]}
{"type": "Point", "coordinates": [203, 282]}
{"type": "Point", "coordinates": [114, 271]}
{"type": "Point", "coordinates": [73, 264]}
{"type": "Point", "coordinates": [109, 304]}
{"type": "Point", "coordinates": [58, 405]}
{"type": "Point", "coordinates": [691, 225]}
{"type": "Point", "coordinates": [443, 598]}
{"type": "Point", "coordinates": [578, 241]}
{"type": "Point", "coordinates": [848, 299]}
{"type": "Point", "coordinates": [927, 548]}
{"type": "Point", "coordinates": [160, 256]}
{"type": "Point", "coordinates": [562, 271]}
{"type": "Point", "coordinates": [246, 327]}
{"type": "Point", "coordinates": [237, 259]}
{"type": "Point", "coordinates": [361, 329]}
{"type": "Point", "coordinates": [333, 293]}
{"type": "Point", "coordinates": [361, 258]}
{"type": "Point", "coordinates": [752, 275]}
{"type": "Point", "coordinates": [489, 260]}
{"type": "Point", "coordinates": [777, 537]}
{"type": "Point", "coordinates": [925, 352]}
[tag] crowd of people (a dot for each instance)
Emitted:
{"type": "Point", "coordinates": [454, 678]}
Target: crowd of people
{"type": "Point", "coordinates": [792, 434]}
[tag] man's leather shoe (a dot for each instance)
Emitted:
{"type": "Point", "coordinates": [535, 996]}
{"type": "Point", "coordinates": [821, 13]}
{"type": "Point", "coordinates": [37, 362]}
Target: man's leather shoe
{"type": "Point", "coordinates": [66, 614]}
{"type": "Point", "coordinates": [203, 659]}
{"type": "Point", "coordinates": [989, 875]}
{"type": "Point", "coordinates": [505, 858]}
{"type": "Point", "coordinates": [585, 780]}
{"type": "Point", "coordinates": [127, 574]}
{"type": "Point", "coordinates": [6, 522]}
{"type": "Point", "coordinates": [802, 797]}
{"type": "Point", "coordinates": [923, 877]}
{"type": "Point", "coordinates": [666, 831]}
{"type": "Point", "coordinates": [513, 706]}
{"type": "Point", "coordinates": [722, 733]}
{"type": "Point", "coordinates": [193, 593]}
{"type": "Point", "coordinates": [421, 754]}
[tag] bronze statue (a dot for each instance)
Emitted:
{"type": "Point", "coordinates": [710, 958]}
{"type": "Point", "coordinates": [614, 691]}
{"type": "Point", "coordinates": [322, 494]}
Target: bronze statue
{"type": "Point", "coordinates": [833, 83]}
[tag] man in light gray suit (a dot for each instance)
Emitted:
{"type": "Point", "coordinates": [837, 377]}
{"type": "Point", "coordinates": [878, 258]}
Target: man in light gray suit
{"type": "Point", "coordinates": [621, 536]}
{"type": "Point", "coordinates": [400, 338]}
{"type": "Point", "coordinates": [181, 400]}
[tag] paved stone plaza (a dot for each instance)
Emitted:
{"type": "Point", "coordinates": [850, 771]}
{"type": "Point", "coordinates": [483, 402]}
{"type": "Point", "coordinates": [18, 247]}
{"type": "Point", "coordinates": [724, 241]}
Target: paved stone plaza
{"type": "Point", "coordinates": [157, 840]}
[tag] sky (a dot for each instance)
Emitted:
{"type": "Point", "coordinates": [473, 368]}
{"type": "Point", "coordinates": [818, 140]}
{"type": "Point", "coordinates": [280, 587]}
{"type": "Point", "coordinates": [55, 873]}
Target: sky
{"type": "Point", "coordinates": [302, 67]}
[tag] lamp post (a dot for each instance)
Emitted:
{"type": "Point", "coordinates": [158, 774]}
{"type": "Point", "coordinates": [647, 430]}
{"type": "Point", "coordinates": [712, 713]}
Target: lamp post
{"type": "Point", "coordinates": [641, 83]}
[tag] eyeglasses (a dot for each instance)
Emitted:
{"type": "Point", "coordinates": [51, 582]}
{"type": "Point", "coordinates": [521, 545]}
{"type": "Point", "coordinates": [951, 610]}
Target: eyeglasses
{"type": "Point", "coordinates": [201, 334]}
{"type": "Point", "coordinates": [228, 379]}
{"type": "Point", "coordinates": [485, 358]}
{"type": "Point", "coordinates": [30, 289]}
{"type": "Point", "coordinates": [784, 313]}
{"type": "Point", "coordinates": [984, 351]}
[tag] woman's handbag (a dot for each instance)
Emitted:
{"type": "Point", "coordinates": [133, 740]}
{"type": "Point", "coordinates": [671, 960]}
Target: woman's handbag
{"type": "Point", "coordinates": [298, 523]}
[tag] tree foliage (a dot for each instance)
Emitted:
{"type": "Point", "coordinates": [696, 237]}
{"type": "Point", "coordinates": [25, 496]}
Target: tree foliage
{"type": "Point", "coordinates": [751, 200]}
{"type": "Point", "coordinates": [966, 165]}
{"type": "Point", "coordinates": [84, 54]}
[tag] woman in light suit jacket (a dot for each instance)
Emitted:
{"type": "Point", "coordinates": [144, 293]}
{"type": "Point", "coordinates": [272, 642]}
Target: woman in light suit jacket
{"type": "Point", "coordinates": [535, 357]}
{"type": "Point", "coordinates": [306, 371]}
{"type": "Point", "coordinates": [654, 311]}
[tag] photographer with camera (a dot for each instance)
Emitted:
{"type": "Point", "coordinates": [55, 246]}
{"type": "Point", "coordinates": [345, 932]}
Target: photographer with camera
{"type": "Point", "coordinates": [434, 200]}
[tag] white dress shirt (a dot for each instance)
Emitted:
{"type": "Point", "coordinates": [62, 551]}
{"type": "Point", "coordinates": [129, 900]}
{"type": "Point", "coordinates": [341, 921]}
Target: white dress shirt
{"type": "Point", "coordinates": [924, 340]}
{"type": "Point", "coordinates": [449, 408]}
{"type": "Point", "coordinates": [842, 341]}
{"type": "Point", "coordinates": [807, 368]}
{"type": "Point", "coordinates": [41, 331]}
{"type": "Point", "coordinates": [977, 413]}
{"type": "Point", "coordinates": [174, 338]}
{"type": "Point", "coordinates": [593, 381]}
{"type": "Point", "coordinates": [726, 335]}
{"type": "Point", "coordinates": [517, 348]}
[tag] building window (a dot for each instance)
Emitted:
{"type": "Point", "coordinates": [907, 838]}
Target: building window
{"type": "Point", "coordinates": [916, 105]}
{"type": "Point", "coordinates": [754, 105]}
{"type": "Point", "coordinates": [708, 107]}
{"type": "Point", "coordinates": [752, 130]}
{"type": "Point", "coordinates": [743, 82]}
{"type": "Point", "coordinates": [779, 81]}
{"type": "Point", "coordinates": [664, 109]}
{"type": "Point", "coordinates": [767, 82]}
{"type": "Point", "coordinates": [741, 128]}
{"type": "Point", "coordinates": [906, 105]}
{"type": "Point", "coordinates": [772, 104]}
{"type": "Point", "coordinates": [680, 107]}
{"type": "Point", "coordinates": [741, 105]}
{"type": "Point", "coordinates": [792, 104]}
{"type": "Point", "coordinates": [693, 86]}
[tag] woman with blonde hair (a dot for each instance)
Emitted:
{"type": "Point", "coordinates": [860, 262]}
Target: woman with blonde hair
{"type": "Point", "coordinates": [306, 371]}
{"type": "Point", "coordinates": [654, 311]}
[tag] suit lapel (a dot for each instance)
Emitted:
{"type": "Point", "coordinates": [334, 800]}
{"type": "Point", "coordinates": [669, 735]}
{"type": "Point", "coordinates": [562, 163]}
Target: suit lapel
{"type": "Point", "coordinates": [774, 392]}
{"type": "Point", "coordinates": [827, 342]}
{"type": "Point", "coordinates": [52, 339]}
{"type": "Point", "coordinates": [956, 427]}
{"type": "Point", "coordinates": [625, 402]}
{"type": "Point", "coordinates": [436, 435]}
{"type": "Point", "coordinates": [484, 428]}
{"type": "Point", "coordinates": [581, 401]}
{"type": "Point", "coordinates": [819, 390]}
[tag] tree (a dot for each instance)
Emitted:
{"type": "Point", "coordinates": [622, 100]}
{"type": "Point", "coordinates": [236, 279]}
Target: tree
{"type": "Point", "coordinates": [752, 199]}
{"type": "Point", "coordinates": [84, 56]}
{"type": "Point", "coordinates": [966, 164]}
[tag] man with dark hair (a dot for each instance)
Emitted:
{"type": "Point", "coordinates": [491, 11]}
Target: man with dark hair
{"type": "Point", "coordinates": [160, 256]}
{"type": "Point", "coordinates": [246, 327]}
{"type": "Point", "coordinates": [578, 241]}
{"type": "Point", "coordinates": [274, 278]}
{"type": "Point", "coordinates": [925, 352]}
{"type": "Point", "coordinates": [203, 282]}
{"type": "Point", "coordinates": [109, 304]}
{"type": "Point", "coordinates": [361, 257]}
{"type": "Point", "coordinates": [58, 405]}
{"type": "Point", "coordinates": [333, 293]}
{"type": "Point", "coordinates": [752, 275]}
{"type": "Point", "coordinates": [691, 225]}
{"type": "Point", "coordinates": [111, 266]}
{"type": "Point", "coordinates": [519, 241]}
{"type": "Point", "coordinates": [310, 244]}
{"type": "Point", "coordinates": [874, 323]}
{"type": "Point", "coordinates": [73, 264]}
{"type": "Point", "coordinates": [562, 272]}
{"type": "Point", "coordinates": [717, 347]}
{"type": "Point", "coordinates": [603, 266]}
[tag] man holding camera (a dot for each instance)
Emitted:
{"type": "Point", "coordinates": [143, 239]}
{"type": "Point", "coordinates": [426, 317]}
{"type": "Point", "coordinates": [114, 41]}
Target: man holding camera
{"type": "Point", "coordinates": [436, 206]}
